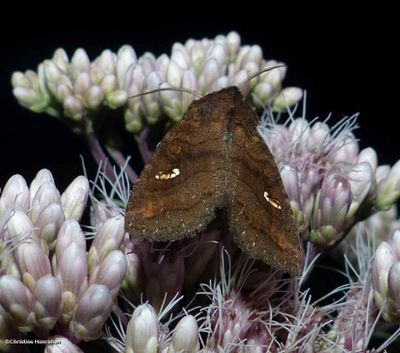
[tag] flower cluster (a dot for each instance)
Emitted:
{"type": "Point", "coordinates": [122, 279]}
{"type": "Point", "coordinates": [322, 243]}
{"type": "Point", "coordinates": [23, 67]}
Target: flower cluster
{"type": "Point", "coordinates": [78, 89]}
{"type": "Point", "coordinates": [148, 331]}
{"type": "Point", "coordinates": [254, 310]}
{"type": "Point", "coordinates": [48, 280]}
{"type": "Point", "coordinates": [331, 184]}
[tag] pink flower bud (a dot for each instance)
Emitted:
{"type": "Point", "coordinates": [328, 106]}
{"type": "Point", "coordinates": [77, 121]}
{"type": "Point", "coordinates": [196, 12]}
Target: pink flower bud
{"type": "Point", "coordinates": [109, 236]}
{"type": "Point", "coordinates": [91, 312]}
{"type": "Point", "coordinates": [70, 232]}
{"type": "Point", "coordinates": [46, 195]}
{"type": "Point", "coordinates": [16, 299]}
{"type": "Point", "coordinates": [32, 262]}
{"type": "Point", "coordinates": [72, 268]}
{"type": "Point", "coordinates": [43, 176]}
{"type": "Point", "coordinates": [49, 223]}
{"type": "Point", "coordinates": [111, 272]}
{"type": "Point", "coordinates": [19, 225]}
{"type": "Point", "coordinates": [15, 195]}
{"type": "Point", "coordinates": [47, 301]}
{"type": "Point", "coordinates": [74, 198]}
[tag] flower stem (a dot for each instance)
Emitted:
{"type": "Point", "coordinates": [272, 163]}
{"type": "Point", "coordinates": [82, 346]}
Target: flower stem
{"type": "Point", "coordinates": [143, 146]}
{"type": "Point", "coordinates": [99, 156]}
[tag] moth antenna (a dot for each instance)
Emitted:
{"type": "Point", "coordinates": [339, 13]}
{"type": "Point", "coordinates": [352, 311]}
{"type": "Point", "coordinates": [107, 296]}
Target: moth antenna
{"type": "Point", "coordinates": [186, 90]}
{"type": "Point", "coordinates": [260, 73]}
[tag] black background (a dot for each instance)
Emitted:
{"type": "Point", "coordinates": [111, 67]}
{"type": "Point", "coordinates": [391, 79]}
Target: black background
{"type": "Point", "coordinates": [345, 58]}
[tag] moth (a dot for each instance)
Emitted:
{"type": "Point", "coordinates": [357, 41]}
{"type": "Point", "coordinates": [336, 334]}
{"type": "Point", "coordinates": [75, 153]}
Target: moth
{"type": "Point", "coordinates": [215, 160]}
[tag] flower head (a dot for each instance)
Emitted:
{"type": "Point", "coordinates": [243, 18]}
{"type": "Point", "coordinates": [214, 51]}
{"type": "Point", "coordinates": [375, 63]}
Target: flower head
{"type": "Point", "coordinates": [76, 88]}
{"type": "Point", "coordinates": [48, 280]}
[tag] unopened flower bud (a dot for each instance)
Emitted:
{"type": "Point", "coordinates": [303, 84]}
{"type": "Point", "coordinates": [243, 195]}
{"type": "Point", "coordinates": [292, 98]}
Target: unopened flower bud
{"type": "Point", "coordinates": [43, 176]}
{"type": "Point", "coordinates": [91, 312]}
{"type": "Point", "coordinates": [15, 195]}
{"type": "Point", "coordinates": [72, 268]}
{"type": "Point", "coordinates": [47, 301]}
{"type": "Point", "coordinates": [32, 261]}
{"type": "Point", "coordinates": [16, 299]}
{"type": "Point", "coordinates": [73, 108]}
{"type": "Point", "coordinates": [60, 58]}
{"type": "Point", "coordinates": [46, 195]}
{"type": "Point", "coordinates": [109, 237]}
{"type": "Point", "coordinates": [389, 188]}
{"type": "Point", "coordinates": [287, 98]}
{"type": "Point", "coordinates": [80, 62]}
{"type": "Point", "coordinates": [185, 338]}
{"type": "Point", "coordinates": [70, 232]}
{"type": "Point", "coordinates": [142, 331]}
{"type": "Point", "coordinates": [111, 272]}
{"type": "Point", "coordinates": [74, 198]}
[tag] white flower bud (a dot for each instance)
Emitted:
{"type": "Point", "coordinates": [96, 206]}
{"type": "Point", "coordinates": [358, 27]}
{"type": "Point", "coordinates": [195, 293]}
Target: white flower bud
{"type": "Point", "coordinates": [180, 56]}
{"type": "Point", "coordinates": [82, 83]}
{"type": "Point", "coordinates": [287, 98]}
{"type": "Point", "coordinates": [74, 198]}
{"type": "Point", "coordinates": [174, 74]}
{"type": "Point", "coordinates": [20, 225]}
{"type": "Point", "coordinates": [185, 338]}
{"type": "Point", "coordinates": [42, 176]}
{"type": "Point", "coordinates": [60, 58]}
{"type": "Point", "coordinates": [94, 97]}
{"type": "Point", "coordinates": [142, 331]}
{"type": "Point", "coordinates": [107, 62]}
{"type": "Point", "coordinates": [46, 195]}
{"type": "Point", "coordinates": [80, 62]}
{"type": "Point", "coordinates": [15, 195]}
{"type": "Point", "coordinates": [117, 99]}
{"type": "Point", "coordinates": [73, 108]}
{"type": "Point", "coordinates": [18, 79]}
{"type": "Point", "coordinates": [209, 74]}
{"type": "Point", "coordinates": [126, 56]}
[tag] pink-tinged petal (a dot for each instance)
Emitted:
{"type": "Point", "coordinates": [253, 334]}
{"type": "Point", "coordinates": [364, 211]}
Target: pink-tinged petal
{"type": "Point", "coordinates": [70, 232]}
{"type": "Point", "coordinates": [91, 312]}
{"type": "Point", "coordinates": [16, 299]}
{"type": "Point", "coordinates": [47, 301]}
{"type": "Point", "coordinates": [109, 237]}
{"type": "Point", "coordinates": [32, 261]}
{"type": "Point", "coordinates": [72, 269]}
{"type": "Point", "coordinates": [15, 195]}
{"type": "Point", "coordinates": [46, 195]}
{"type": "Point", "coordinates": [74, 198]}
{"type": "Point", "coordinates": [112, 272]}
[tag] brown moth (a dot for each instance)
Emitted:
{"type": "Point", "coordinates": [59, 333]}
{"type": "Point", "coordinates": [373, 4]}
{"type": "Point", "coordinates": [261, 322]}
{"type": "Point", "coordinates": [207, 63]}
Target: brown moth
{"type": "Point", "coordinates": [214, 159]}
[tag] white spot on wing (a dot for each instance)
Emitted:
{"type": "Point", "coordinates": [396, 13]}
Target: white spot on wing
{"type": "Point", "coordinates": [273, 202]}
